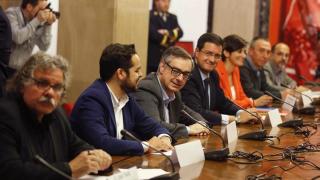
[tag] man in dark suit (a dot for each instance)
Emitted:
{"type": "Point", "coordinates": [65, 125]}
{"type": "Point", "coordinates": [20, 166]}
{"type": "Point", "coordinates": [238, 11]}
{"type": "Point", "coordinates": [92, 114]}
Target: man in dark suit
{"type": "Point", "coordinates": [32, 125]}
{"type": "Point", "coordinates": [164, 31]}
{"type": "Point", "coordinates": [202, 92]}
{"type": "Point", "coordinates": [252, 74]}
{"type": "Point", "coordinates": [159, 94]}
{"type": "Point", "coordinates": [104, 108]}
{"type": "Point", "coordinates": [5, 50]}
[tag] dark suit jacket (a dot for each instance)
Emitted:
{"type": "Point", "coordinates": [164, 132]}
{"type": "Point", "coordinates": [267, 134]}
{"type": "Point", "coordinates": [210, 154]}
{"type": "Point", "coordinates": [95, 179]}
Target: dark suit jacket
{"type": "Point", "coordinates": [193, 94]}
{"type": "Point", "coordinates": [93, 119]}
{"type": "Point", "coordinates": [149, 97]}
{"type": "Point", "coordinates": [19, 142]}
{"type": "Point", "coordinates": [155, 49]}
{"type": "Point", "coordinates": [254, 85]}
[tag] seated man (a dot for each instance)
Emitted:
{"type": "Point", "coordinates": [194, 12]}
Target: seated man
{"type": "Point", "coordinates": [275, 71]}
{"type": "Point", "coordinates": [203, 93]}
{"type": "Point", "coordinates": [158, 94]}
{"type": "Point", "coordinates": [252, 75]}
{"type": "Point", "coordinates": [32, 124]}
{"type": "Point", "coordinates": [104, 108]}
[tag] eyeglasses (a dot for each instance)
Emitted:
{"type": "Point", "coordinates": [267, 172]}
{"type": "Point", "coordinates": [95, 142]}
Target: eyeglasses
{"type": "Point", "coordinates": [211, 54]}
{"type": "Point", "coordinates": [45, 85]}
{"type": "Point", "coordinates": [176, 72]}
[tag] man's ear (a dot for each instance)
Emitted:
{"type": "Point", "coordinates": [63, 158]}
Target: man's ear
{"type": "Point", "coordinates": [161, 67]}
{"type": "Point", "coordinates": [121, 74]}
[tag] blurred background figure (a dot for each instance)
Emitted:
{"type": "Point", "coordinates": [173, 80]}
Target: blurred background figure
{"type": "Point", "coordinates": [164, 31]}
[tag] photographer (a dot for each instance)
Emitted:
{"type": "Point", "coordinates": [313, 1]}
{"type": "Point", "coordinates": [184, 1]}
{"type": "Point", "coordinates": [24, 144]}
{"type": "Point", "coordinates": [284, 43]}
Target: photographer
{"type": "Point", "coordinates": [31, 25]}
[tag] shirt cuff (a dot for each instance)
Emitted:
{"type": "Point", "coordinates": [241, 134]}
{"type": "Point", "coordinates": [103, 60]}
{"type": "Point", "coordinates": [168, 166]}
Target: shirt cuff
{"type": "Point", "coordinates": [188, 129]}
{"type": "Point", "coordinates": [145, 146]}
{"type": "Point", "coordinates": [224, 119]}
{"type": "Point", "coordinates": [238, 113]}
{"type": "Point", "coordinates": [165, 135]}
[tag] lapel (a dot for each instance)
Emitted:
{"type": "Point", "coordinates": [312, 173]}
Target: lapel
{"type": "Point", "coordinates": [108, 101]}
{"type": "Point", "coordinates": [158, 92]}
{"type": "Point", "coordinates": [198, 79]}
{"type": "Point", "coordinates": [255, 79]}
{"type": "Point", "coordinates": [55, 136]}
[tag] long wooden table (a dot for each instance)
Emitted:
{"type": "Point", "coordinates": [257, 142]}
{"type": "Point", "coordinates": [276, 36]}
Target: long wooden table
{"type": "Point", "coordinates": [231, 170]}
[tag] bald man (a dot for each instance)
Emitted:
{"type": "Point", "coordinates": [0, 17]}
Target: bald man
{"type": "Point", "coordinates": [275, 69]}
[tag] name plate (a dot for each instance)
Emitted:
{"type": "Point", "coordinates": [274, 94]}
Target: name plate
{"type": "Point", "coordinates": [188, 153]}
{"type": "Point", "coordinates": [274, 117]}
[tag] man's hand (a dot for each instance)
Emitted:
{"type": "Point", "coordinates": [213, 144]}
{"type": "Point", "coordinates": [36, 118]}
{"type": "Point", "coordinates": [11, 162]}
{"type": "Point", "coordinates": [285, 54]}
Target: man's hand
{"type": "Point", "coordinates": [43, 15]}
{"type": "Point", "coordinates": [162, 144]}
{"type": "Point", "coordinates": [163, 32]}
{"type": "Point", "coordinates": [246, 117]}
{"type": "Point", "coordinates": [89, 162]}
{"type": "Point", "coordinates": [263, 100]}
{"type": "Point", "coordinates": [197, 129]}
{"type": "Point", "coordinates": [51, 18]}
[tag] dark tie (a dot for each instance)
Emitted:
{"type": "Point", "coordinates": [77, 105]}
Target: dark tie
{"type": "Point", "coordinates": [206, 94]}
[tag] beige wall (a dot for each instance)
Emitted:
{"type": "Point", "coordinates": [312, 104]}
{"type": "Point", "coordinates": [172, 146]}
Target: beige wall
{"type": "Point", "coordinates": [86, 27]}
{"type": "Point", "coordinates": [235, 17]}
{"type": "Point", "coordinates": [7, 3]}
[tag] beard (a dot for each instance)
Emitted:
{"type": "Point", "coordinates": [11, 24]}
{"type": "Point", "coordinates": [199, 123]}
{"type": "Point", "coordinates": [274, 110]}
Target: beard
{"type": "Point", "coordinates": [129, 87]}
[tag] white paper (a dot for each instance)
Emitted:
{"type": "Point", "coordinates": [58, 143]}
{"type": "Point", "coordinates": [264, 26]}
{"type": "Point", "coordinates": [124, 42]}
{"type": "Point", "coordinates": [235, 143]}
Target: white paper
{"type": "Point", "coordinates": [148, 173]}
{"type": "Point", "coordinates": [192, 171]}
{"type": "Point", "coordinates": [167, 153]}
{"type": "Point", "coordinates": [290, 100]}
{"type": "Point", "coordinates": [189, 153]}
{"type": "Point", "coordinates": [274, 117]}
{"type": "Point", "coordinates": [306, 100]}
{"type": "Point", "coordinates": [232, 132]}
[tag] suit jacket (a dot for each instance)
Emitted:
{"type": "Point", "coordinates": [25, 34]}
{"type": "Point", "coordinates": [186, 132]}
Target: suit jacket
{"type": "Point", "coordinates": [19, 142]}
{"type": "Point", "coordinates": [254, 85]}
{"type": "Point", "coordinates": [149, 97]}
{"type": "Point", "coordinates": [275, 76]}
{"type": "Point", "coordinates": [193, 94]}
{"type": "Point", "coordinates": [241, 98]}
{"type": "Point", "coordinates": [158, 42]}
{"type": "Point", "coordinates": [5, 38]}
{"type": "Point", "coordinates": [93, 119]}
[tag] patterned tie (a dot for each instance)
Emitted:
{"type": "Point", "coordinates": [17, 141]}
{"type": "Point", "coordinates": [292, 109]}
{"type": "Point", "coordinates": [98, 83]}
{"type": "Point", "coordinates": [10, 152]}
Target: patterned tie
{"type": "Point", "coordinates": [206, 93]}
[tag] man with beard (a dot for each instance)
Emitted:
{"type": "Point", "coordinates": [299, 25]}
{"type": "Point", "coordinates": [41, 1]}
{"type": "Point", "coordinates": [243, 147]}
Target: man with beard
{"type": "Point", "coordinates": [203, 93]}
{"type": "Point", "coordinates": [32, 125]}
{"type": "Point", "coordinates": [105, 108]}
{"type": "Point", "coordinates": [275, 68]}
{"type": "Point", "coordinates": [159, 94]}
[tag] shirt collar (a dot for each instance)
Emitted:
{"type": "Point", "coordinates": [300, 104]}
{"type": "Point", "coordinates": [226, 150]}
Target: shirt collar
{"type": "Point", "coordinates": [275, 68]}
{"type": "Point", "coordinates": [165, 97]}
{"type": "Point", "coordinates": [203, 75]}
{"type": "Point", "coordinates": [117, 104]}
{"type": "Point", "coordinates": [254, 67]}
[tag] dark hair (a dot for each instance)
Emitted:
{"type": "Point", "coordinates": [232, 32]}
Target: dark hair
{"type": "Point", "coordinates": [233, 43]}
{"type": "Point", "coordinates": [255, 39]}
{"type": "Point", "coordinates": [115, 56]}
{"type": "Point", "coordinates": [273, 48]}
{"type": "Point", "coordinates": [209, 37]}
{"type": "Point", "coordinates": [26, 2]}
{"type": "Point", "coordinates": [176, 52]}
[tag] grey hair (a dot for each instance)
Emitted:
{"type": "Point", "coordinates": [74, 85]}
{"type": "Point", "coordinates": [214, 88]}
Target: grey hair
{"type": "Point", "coordinates": [176, 52]}
{"type": "Point", "coordinates": [39, 61]}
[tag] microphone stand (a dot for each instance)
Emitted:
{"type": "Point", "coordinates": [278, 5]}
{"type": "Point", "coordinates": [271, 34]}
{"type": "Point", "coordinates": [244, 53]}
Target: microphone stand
{"type": "Point", "coordinates": [171, 176]}
{"type": "Point", "coordinates": [215, 155]}
{"type": "Point", "coordinates": [291, 123]}
{"type": "Point", "coordinates": [260, 135]}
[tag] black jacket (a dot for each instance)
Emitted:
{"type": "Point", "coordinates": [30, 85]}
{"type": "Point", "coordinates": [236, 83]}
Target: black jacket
{"type": "Point", "coordinates": [193, 94]}
{"type": "Point", "coordinates": [20, 141]}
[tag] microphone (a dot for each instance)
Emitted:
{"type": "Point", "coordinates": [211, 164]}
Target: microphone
{"type": "Point", "coordinates": [215, 155]}
{"type": "Point", "coordinates": [173, 175]}
{"type": "Point", "coordinates": [291, 123]}
{"type": "Point", "coordinates": [58, 171]}
{"type": "Point", "coordinates": [260, 135]}
{"type": "Point", "coordinates": [307, 81]}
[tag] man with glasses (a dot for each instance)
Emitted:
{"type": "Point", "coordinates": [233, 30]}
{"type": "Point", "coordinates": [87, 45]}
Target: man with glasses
{"type": "Point", "coordinates": [105, 107]}
{"type": "Point", "coordinates": [32, 125]}
{"type": "Point", "coordinates": [158, 94]}
{"type": "Point", "coordinates": [202, 93]}
{"type": "Point", "coordinates": [31, 25]}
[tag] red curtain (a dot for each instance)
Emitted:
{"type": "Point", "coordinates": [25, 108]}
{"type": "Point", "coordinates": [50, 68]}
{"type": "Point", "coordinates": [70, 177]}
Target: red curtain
{"type": "Point", "coordinates": [301, 25]}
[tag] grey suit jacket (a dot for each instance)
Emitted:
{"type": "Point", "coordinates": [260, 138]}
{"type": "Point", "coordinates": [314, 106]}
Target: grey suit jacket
{"type": "Point", "coordinates": [283, 78]}
{"type": "Point", "coordinates": [149, 97]}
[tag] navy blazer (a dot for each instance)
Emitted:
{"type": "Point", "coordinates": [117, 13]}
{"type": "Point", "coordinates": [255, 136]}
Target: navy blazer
{"type": "Point", "coordinates": [193, 96]}
{"type": "Point", "coordinates": [93, 119]}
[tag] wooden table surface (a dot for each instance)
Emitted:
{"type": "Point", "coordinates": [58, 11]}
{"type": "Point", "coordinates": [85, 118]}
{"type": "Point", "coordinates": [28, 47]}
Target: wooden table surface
{"type": "Point", "coordinates": [231, 170]}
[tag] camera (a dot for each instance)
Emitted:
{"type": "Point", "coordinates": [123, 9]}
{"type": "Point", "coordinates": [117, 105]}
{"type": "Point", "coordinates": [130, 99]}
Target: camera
{"type": "Point", "coordinates": [51, 10]}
